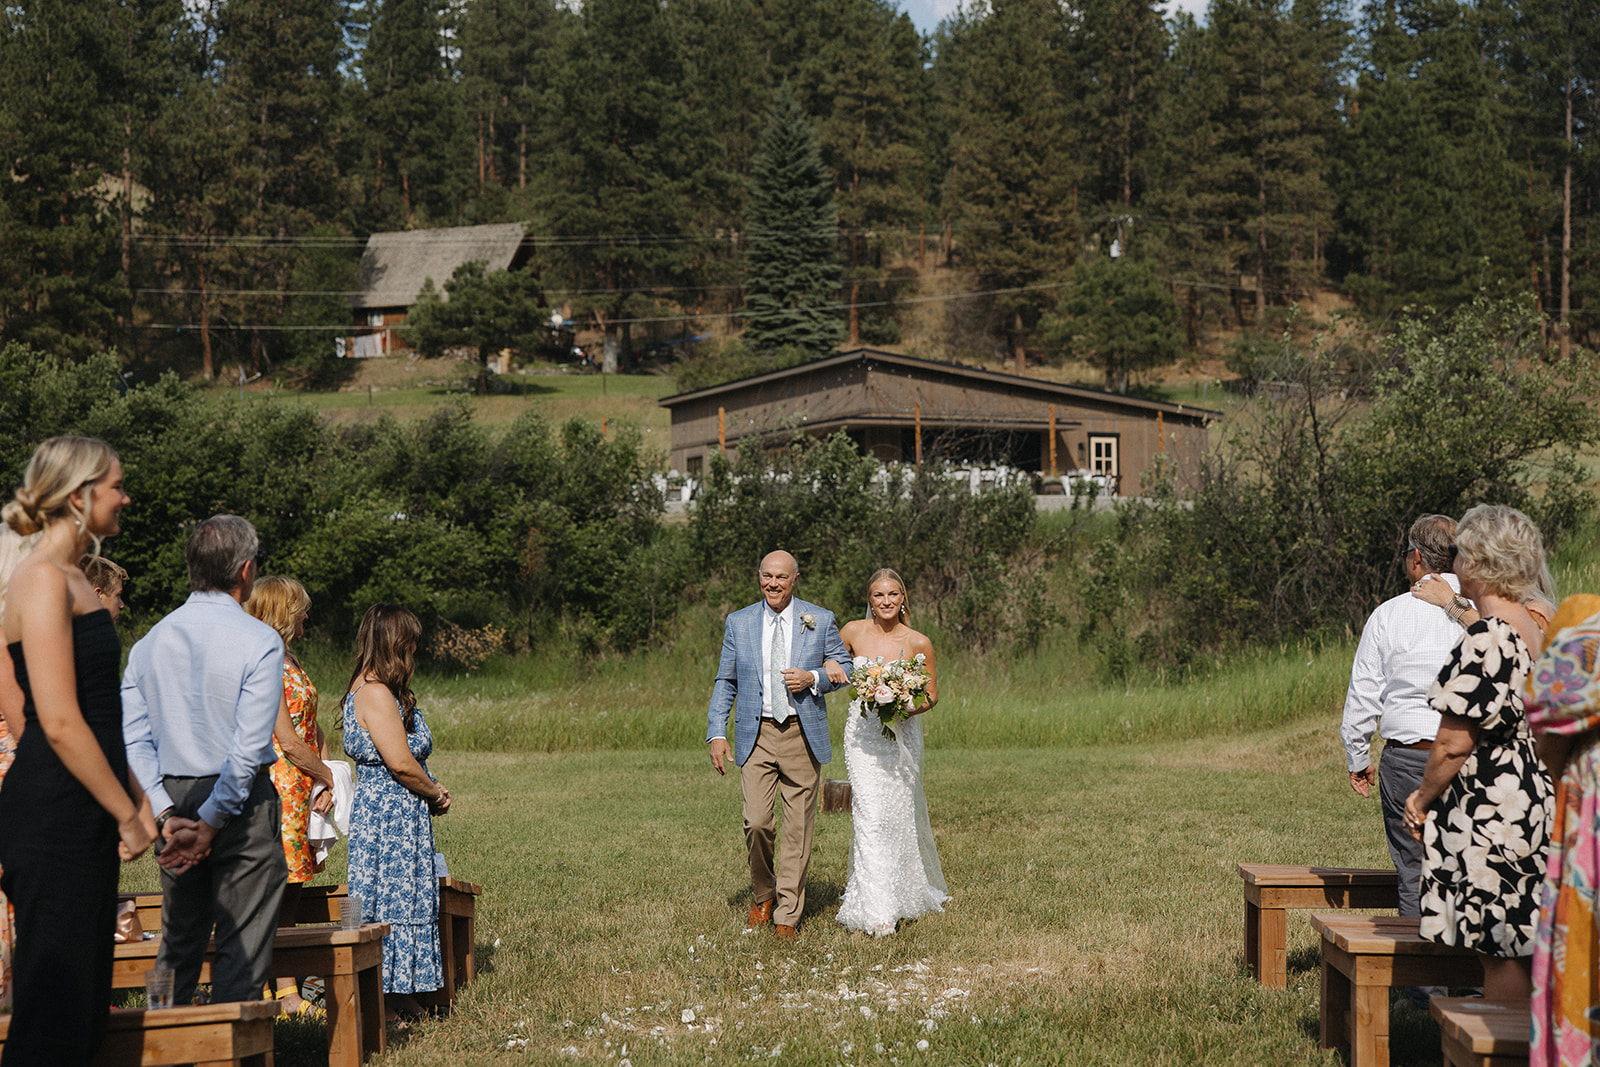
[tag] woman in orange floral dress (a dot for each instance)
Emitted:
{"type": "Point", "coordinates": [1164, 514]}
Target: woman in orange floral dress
{"type": "Point", "coordinates": [283, 604]}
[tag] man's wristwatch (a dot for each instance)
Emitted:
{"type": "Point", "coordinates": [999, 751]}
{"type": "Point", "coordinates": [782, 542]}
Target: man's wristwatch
{"type": "Point", "coordinates": [161, 823]}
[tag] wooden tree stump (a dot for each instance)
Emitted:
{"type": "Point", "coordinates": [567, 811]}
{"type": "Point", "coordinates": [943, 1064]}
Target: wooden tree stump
{"type": "Point", "coordinates": [835, 795]}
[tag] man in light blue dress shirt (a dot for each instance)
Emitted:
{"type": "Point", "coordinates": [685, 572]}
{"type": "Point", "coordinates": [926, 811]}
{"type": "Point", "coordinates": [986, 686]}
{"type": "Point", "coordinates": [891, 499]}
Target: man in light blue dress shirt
{"type": "Point", "coordinates": [199, 701]}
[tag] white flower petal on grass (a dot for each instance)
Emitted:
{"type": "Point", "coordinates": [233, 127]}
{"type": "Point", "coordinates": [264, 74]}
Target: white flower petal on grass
{"type": "Point", "coordinates": [687, 1015]}
{"type": "Point", "coordinates": [922, 1046]}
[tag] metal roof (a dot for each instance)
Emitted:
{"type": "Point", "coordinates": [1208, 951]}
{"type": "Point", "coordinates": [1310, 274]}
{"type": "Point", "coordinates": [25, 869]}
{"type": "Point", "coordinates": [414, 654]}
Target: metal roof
{"type": "Point", "coordinates": [394, 266]}
{"type": "Point", "coordinates": [928, 367]}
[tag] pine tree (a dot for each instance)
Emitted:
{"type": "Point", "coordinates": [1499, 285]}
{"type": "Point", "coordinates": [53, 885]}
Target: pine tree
{"type": "Point", "coordinates": [1278, 68]}
{"type": "Point", "coordinates": [484, 311]}
{"type": "Point", "coordinates": [1428, 192]}
{"type": "Point", "coordinates": [60, 282]}
{"type": "Point", "coordinates": [1189, 233]}
{"type": "Point", "coordinates": [628, 162]}
{"type": "Point", "coordinates": [1016, 170]}
{"type": "Point", "coordinates": [1119, 53]}
{"type": "Point", "coordinates": [865, 84]}
{"type": "Point", "coordinates": [509, 52]}
{"type": "Point", "coordinates": [281, 90]}
{"type": "Point", "coordinates": [413, 115]}
{"type": "Point", "coordinates": [1117, 316]}
{"type": "Point", "coordinates": [791, 270]}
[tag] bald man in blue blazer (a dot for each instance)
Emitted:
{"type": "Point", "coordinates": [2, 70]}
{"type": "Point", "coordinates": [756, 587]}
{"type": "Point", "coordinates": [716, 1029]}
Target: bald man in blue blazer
{"type": "Point", "coordinates": [772, 678]}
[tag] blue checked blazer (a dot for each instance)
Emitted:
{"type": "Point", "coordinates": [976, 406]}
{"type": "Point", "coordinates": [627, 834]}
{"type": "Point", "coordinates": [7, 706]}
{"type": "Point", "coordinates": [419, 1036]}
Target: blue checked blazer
{"type": "Point", "coordinates": [744, 661]}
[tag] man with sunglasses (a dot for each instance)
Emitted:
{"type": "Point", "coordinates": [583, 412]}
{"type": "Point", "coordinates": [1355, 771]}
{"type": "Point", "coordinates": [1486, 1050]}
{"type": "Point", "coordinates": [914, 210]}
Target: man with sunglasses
{"type": "Point", "coordinates": [1404, 644]}
{"type": "Point", "coordinates": [199, 703]}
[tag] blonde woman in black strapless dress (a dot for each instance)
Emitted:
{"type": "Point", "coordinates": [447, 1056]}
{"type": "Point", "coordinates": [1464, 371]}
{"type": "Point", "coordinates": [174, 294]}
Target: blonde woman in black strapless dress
{"type": "Point", "coordinates": [70, 808]}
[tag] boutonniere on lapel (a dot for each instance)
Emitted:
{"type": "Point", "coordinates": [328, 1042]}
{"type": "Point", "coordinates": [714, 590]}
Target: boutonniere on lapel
{"type": "Point", "coordinates": [808, 621]}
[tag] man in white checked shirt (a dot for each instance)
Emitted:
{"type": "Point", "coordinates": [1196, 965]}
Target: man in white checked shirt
{"type": "Point", "coordinates": [1403, 647]}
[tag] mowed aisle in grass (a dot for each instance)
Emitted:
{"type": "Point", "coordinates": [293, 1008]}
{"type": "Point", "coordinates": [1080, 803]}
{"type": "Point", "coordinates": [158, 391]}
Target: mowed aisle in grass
{"type": "Point", "coordinates": [1097, 914]}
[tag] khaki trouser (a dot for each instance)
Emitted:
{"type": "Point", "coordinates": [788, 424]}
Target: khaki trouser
{"type": "Point", "coordinates": [780, 765]}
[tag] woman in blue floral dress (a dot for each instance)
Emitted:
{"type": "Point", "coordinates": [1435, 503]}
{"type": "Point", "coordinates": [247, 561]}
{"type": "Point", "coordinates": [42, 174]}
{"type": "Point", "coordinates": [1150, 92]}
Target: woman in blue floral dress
{"type": "Point", "coordinates": [391, 829]}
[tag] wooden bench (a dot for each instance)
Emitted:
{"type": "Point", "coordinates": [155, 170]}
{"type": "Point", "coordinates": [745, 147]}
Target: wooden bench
{"type": "Point", "coordinates": [209, 1036]}
{"type": "Point", "coordinates": [1362, 957]}
{"type": "Point", "coordinates": [350, 961]}
{"type": "Point", "coordinates": [458, 906]}
{"type": "Point", "coordinates": [1483, 1033]}
{"type": "Point", "coordinates": [1271, 889]}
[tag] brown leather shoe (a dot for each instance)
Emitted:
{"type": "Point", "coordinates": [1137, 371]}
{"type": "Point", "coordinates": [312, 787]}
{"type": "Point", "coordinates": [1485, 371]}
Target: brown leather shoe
{"type": "Point", "coordinates": [761, 914]}
{"type": "Point", "coordinates": [785, 933]}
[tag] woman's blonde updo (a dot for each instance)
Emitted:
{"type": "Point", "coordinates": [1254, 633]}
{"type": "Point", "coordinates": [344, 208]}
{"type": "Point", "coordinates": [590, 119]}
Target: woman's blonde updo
{"type": "Point", "coordinates": [59, 467]}
{"type": "Point", "coordinates": [905, 598]}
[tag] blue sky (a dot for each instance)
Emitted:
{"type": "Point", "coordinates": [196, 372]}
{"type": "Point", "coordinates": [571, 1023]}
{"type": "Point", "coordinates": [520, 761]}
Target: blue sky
{"type": "Point", "coordinates": [927, 13]}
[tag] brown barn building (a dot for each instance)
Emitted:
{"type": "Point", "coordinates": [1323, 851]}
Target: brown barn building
{"type": "Point", "coordinates": [395, 266]}
{"type": "Point", "coordinates": [899, 408]}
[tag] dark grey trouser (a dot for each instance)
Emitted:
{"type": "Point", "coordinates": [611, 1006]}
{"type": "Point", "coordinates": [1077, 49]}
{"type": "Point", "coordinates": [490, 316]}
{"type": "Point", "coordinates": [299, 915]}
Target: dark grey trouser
{"type": "Point", "coordinates": [1399, 774]}
{"type": "Point", "coordinates": [238, 889]}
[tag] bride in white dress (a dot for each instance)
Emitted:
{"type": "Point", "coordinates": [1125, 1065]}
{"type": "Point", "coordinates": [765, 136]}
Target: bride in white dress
{"type": "Point", "coordinates": [894, 867]}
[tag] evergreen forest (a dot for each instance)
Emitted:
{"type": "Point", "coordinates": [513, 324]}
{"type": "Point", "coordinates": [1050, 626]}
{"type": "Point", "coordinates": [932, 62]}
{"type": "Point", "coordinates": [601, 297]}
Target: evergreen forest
{"type": "Point", "coordinates": [191, 181]}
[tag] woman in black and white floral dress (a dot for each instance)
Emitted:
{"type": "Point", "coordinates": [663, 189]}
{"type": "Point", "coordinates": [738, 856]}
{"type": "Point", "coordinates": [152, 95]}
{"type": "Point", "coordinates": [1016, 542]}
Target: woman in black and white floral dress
{"type": "Point", "coordinates": [1483, 810]}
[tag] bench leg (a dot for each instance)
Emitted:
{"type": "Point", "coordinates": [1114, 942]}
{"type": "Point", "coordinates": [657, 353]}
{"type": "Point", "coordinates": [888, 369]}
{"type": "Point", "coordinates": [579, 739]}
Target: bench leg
{"type": "Point", "coordinates": [447, 958]}
{"type": "Point", "coordinates": [464, 945]}
{"type": "Point", "coordinates": [371, 991]}
{"type": "Point", "coordinates": [344, 1020]}
{"type": "Point", "coordinates": [1266, 944]}
{"type": "Point", "coordinates": [1369, 1044]}
{"type": "Point", "coordinates": [1335, 1004]}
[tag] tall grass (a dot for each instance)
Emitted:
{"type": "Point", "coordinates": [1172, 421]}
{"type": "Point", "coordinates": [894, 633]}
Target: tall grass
{"type": "Point", "coordinates": [550, 701]}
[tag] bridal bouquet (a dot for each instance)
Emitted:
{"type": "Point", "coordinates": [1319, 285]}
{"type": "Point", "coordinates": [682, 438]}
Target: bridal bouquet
{"type": "Point", "coordinates": [892, 691]}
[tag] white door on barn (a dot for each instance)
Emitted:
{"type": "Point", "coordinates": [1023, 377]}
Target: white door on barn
{"type": "Point", "coordinates": [1103, 459]}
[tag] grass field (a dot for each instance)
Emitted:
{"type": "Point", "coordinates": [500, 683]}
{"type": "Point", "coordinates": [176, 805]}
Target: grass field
{"type": "Point", "coordinates": [1096, 915]}
{"type": "Point", "coordinates": [411, 388]}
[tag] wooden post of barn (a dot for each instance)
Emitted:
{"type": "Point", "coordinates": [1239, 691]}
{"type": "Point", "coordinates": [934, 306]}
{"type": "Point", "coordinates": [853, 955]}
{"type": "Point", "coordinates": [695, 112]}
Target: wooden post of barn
{"type": "Point", "coordinates": [722, 429]}
{"type": "Point", "coordinates": [918, 414]}
{"type": "Point", "coordinates": [1053, 440]}
{"type": "Point", "coordinates": [1161, 433]}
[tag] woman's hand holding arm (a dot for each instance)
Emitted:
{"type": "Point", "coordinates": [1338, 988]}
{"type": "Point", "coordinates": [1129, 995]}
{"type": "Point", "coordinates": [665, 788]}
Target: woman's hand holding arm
{"type": "Point", "coordinates": [376, 710]}
{"type": "Point", "coordinates": [296, 751]}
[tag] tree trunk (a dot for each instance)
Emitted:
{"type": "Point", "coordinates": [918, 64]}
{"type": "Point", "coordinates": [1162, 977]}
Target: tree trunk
{"type": "Point", "coordinates": [1566, 234]}
{"type": "Point", "coordinates": [127, 194]}
{"type": "Point", "coordinates": [855, 313]}
{"type": "Point", "coordinates": [1261, 246]}
{"type": "Point", "coordinates": [1017, 351]}
{"type": "Point", "coordinates": [207, 367]}
{"type": "Point", "coordinates": [480, 153]}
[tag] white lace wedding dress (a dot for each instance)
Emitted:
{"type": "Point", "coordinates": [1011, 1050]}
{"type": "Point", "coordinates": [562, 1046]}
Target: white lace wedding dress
{"type": "Point", "coordinates": [894, 866]}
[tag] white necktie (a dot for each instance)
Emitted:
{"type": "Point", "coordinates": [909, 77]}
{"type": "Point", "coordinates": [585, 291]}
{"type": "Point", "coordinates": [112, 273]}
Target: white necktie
{"type": "Point", "coordinates": [775, 663]}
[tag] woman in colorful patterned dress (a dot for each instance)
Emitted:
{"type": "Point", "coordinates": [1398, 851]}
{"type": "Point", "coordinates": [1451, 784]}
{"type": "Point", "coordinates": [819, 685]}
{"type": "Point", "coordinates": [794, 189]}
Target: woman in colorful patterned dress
{"type": "Point", "coordinates": [391, 832]}
{"type": "Point", "coordinates": [1564, 711]}
{"type": "Point", "coordinates": [1482, 811]}
{"type": "Point", "coordinates": [283, 604]}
